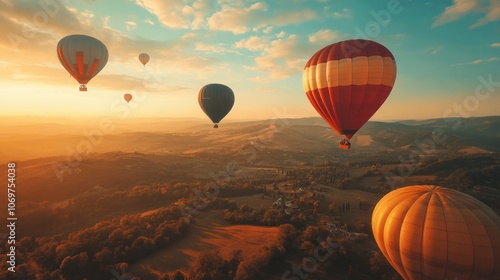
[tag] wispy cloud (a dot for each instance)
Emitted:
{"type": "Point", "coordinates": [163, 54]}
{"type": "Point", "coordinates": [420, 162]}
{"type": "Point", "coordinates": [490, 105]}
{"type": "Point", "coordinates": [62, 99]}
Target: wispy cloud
{"type": "Point", "coordinates": [131, 25]}
{"type": "Point", "coordinates": [345, 13]}
{"type": "Point", "coordinates": [495, 45]}
{"type": "Point", "coordinates": [218, 48]}
{"type": "Point", "coordinates": [492, 14]}
{"type": "Point", "coordinates": [176, 14]}
{"type": "Point", "coordinates": [325, 36]}
{"type": "Point", "coordinates": [455, 11]}
{"type": "Point", "coordinates": [252, 43]}
{"type": "Point", "coordinates": [435, 50]}
{"type": "Point", "coordinates": [236, 16]}
{"type": "Point", "coordinates": [168, 12]}
{"type": "Point", "coordinates": [280, 58]}
{"type": "Point", "coordinates": [460, 8]}
{"type": "Point", "coordinates": [478, 61]}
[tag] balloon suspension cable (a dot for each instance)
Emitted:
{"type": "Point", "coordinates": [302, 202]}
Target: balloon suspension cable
{"type": "Point", "coordinates": [83, 87]}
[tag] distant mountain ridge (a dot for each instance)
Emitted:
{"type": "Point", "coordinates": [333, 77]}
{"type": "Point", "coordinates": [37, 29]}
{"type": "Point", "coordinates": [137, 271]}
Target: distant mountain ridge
{"type": "Point", "coordinates": [478, 134]}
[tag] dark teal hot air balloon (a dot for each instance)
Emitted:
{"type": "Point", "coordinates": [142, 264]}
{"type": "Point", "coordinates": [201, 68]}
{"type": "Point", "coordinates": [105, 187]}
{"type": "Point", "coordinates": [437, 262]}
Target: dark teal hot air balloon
{"type": "Point", "coordinates": [216, 100]}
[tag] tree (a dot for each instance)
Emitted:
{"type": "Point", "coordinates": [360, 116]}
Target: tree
{"type": "Point", "coordinates": [208, 267]}
{"type": "Point", "coordinates": [287, 234]}
{"type": "Point", "coordinates": [73, 266]}
{"type": "Point", "coordinates": [178, 275]}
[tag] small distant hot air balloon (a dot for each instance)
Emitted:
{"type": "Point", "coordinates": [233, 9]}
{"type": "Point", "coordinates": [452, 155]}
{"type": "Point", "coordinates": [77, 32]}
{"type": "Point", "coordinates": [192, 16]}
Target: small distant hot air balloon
{"type": "Point", "coordinates": [144, 58]}
{"type": "Point", "coordinates": [82, 56]}
{"type": "Point", "coordinates": [347, 82]}
{"type": "Point", "coordinates": [127, 97]}
{"type": "Point", "coordinates": [216, 100]}
{"type": "Point", "coordinates": [431, 232]}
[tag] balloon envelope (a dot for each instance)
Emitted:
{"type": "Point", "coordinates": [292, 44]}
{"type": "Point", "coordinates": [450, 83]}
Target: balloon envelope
{"type": "Point", "coordinates": [348, 81]}
{"type": "Point", "coordinates": [127, 97]}
{"type": "Point", "coordinates": [430, 232]}
{"type": "Point", "coordinates": [82, 56]}
{"type": "Point", "coordinates": [216, 100]}
{"type": "Point", "coordinates": [144, 58]}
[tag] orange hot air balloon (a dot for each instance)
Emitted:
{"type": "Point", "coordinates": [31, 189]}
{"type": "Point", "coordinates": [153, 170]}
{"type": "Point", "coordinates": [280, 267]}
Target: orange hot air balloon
{"type": "Point", "coordinates": [430, 232]}
{"type": "Point", "coordinates": [144, 58]}
{"type": "Point", "coordinates": [347, 82]}
{"type": "Point", "coordinates": [82, 56]}
{"type": "Point", "coordinates": [127, 97]}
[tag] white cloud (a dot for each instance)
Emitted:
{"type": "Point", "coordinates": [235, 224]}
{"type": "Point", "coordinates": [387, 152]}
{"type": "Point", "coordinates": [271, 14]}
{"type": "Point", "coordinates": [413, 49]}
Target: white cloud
{"type": "Point", "coordinates": [460, 8]}
{"type": "Point", "coordinates": [131, 25]}
{"type": "Point", "coordinates": [236, 17]}
{"type": "Point", "coordinates": [280, 57]}
{"type": "Point", "coordinates": [324, 36]}
{"type": "Point", "coordinates": [253, 43]}
{"type": "Point", "coordinates": [149, 21]}
{"type": "Point", "coordinates": [495, 45]}
{"type": "Point", "coordinates": [281, 34]}
{"type": "Point", "coordinates": [169, 12]}
{"type": "Point", "coordinates": [178, 14]}
{"type": "Point", "coordinates": [345, 13]}
{"type": "Point", "coordinates": [268, 29]}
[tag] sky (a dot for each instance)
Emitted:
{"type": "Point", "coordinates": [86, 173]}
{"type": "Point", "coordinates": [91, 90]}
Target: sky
{"type": "Point", "coordinates": [447, 55]}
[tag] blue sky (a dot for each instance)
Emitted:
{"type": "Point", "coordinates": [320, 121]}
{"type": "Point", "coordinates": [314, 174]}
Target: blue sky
{"type": "Point", "coordinates": [258, 48]}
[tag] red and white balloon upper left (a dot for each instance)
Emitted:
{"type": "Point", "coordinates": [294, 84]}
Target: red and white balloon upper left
{"type": "Point", "coordinates": [82, 56]}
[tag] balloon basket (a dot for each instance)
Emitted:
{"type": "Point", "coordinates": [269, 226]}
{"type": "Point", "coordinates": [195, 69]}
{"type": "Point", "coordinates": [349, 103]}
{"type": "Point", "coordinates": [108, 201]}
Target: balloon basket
{"type": "Point", "coordinates": [216, 126]}
{"type": "Point", "coordinates": [83, 88]}
{"type": "Point", "coordinates": [345, 146]}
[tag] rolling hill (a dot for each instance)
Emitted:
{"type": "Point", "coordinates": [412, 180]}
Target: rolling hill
{"type": "Point", "coordinates": [306, 135]}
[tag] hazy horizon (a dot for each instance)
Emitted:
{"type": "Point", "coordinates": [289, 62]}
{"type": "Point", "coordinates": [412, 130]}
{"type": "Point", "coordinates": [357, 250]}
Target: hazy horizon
{"type": "Point", "coordinates": [41, 118]}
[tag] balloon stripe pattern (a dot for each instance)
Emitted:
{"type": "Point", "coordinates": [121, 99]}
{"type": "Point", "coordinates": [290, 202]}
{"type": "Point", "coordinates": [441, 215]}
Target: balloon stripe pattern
{"type": "Point", "coordinates": [216, 100]}
{"type": "Point", "coordinates": [82, 56]}
{"type": "Point", "coordinates": [348, 81]}
{"type": "Point", "coordinates": [430, 232]}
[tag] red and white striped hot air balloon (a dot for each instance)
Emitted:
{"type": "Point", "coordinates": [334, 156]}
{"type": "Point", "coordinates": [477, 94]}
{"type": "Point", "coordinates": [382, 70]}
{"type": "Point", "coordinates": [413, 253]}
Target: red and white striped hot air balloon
{"type": "Point", "coordinates": [347, 82]}
{"type": "Point", "coordinates": [82, 56]}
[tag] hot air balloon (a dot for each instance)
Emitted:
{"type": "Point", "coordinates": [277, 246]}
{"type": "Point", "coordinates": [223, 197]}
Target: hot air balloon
{"type": "Point", "coordinates": [347, 82]}
{"type": "Point", "coordinates": [431, 232]}
{"type": "Point", "coordinates": [127, 97]}
{"type": "Point", "coordinates": [82, 56]}
{"type": "Point", "coordinates": [144, 58]}
{"type": "Point", "coordinates": [216, 100]}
